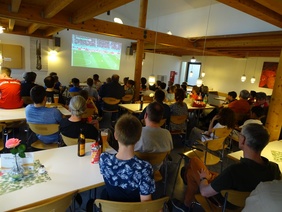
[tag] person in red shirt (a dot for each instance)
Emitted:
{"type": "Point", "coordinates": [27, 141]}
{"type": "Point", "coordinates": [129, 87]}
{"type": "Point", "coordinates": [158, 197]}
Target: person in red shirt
{"type": "Point", "coordinates": [10, 90]}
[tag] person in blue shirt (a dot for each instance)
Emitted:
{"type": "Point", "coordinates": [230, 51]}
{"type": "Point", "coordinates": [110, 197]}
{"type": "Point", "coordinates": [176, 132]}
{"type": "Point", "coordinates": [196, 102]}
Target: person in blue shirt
{"type": "Point", "coordinates": [39, 114]}
{"type": "Point", "coordinates": [127, 178]}
{"type": "Point", "coordinates": [75, 83]}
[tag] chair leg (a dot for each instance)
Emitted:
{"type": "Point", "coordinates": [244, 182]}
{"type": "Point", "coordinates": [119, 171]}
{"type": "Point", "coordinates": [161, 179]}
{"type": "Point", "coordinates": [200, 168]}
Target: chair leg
{"type": "Point", "coordinates": [176, 175]}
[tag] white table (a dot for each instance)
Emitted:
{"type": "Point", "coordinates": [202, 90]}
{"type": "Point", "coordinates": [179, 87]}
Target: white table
{"type": "Point", "coordinates": [266, 152]}
{"type": "Point", "coordinates": [67, 171]}
{"type": "Point", "coordinates": [133, 108]}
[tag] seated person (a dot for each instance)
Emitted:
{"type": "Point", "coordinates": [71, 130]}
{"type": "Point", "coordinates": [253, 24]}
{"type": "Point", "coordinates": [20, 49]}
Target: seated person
{"type": "Point", "coordinates": [243, 176]}
{"type": "Point", "coordinates": [71, 126]}
{"type": "Point", "coordinates": [92, 92]}
{"type": "Point", "coordinates": [225, 119]}
{"type": "Point", "coordinates": [261, 100]}
{"type": "Point", "coordinates": [127, 178]}
{"type": "Point", "coordinates": [252, 98]}
{"type": "Point", "coordinates": [39, 114]}
{"type": "Point", "coordinates": [179, 108]}
{"type": "Point", "coordinates": [159, 97]}
{"type": "Point", "coordinates": [231, 96]}
{"type": "Point", "coordinates": [28, 83]}
{"type": "Point", "coordinates": [75, 85]}
{"type": "Point", "coordinates": [10, 90]}
{"type": "Point", "coordinates": [256, 114]}
{"type": "Point", "coordinates": [195, 93]}
{"type": "Point", "coordinates": [50, 91]}
{"type": "Point", "coordinates": [89, 102]}
{"type": "Point", "coordinates": [153, 137]}
{"type": "Point", "coordinates": [266, 197]}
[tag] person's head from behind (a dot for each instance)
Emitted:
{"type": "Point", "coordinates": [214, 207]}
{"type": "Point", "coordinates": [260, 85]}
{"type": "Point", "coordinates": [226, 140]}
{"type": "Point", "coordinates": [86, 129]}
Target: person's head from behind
{"type": "Point", "coordinates": [231, 96]}
{"type": "Point", "coordinates": [90, 82]}
{"type": "Point", "coordinates": [84, 94]}
{"type": "Point", "coordinates": [244, 94]}
{"type": "Point", "coordinates": [49, 82]}
{"type": "Point", "coordinates": [29, 77]}
{"type": "Point", "coordinates": [227, 117]}
{"type": "Point", "coordinates": [163, 85]}
{"type": "Point", "coordinates": [5, 72]}
{"type": "Point", "coordinates": [158, 83]}
{"type": "Point", "coordinates": [260, 98]}
{"type": "Point", "coordinates": [253, 94]}
{"type": "Point", "coordinates": [52, 74]}
{"type": "Point", "coordinates": [123, 130]}
{"type": "Point", "coordinates": [130, 83]}
{"type": "Point", "coordinates": [257, 112]}
{"type": "Point", "coordinates": [95, 77]}
{"type": "Point", "coordinates": [75, 82]}
{"type": "Point", "coordinates": [115, 78]}
{"type": "Point", "coordinates": [172, 89]}
{"type": "Point", "coordinates": [154, 112]}
{"type": "Point", "coordinates": [255, 136]}
{"type": "Point", "coordinates": [195, 90]}
{"type": "Point", "coordinates": [37, 94]}
{"type": "Point", "coordinates": [179, 95]}
{"type": "Point", "coordinates": [77, 105]}
{"type": "Point", "coordinates": [143, 80]}
{"type": "Point", "coordinates": [159, 96]}
{"type": "Point", "coordinates": [125, 80]}
{"type": "Point", "coordinates": [184, 86]}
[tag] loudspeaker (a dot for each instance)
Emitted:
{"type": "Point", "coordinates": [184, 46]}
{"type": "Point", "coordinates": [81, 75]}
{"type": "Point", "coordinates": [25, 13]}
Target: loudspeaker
{"type": "Point", "coordinates": [57, 41]}
{"type": "Point", "coordinates": [129, 50]}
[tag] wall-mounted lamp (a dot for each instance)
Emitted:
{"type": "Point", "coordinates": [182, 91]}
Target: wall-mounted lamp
{"type": "Point", "coordinates": [203, 74]}
{"type": "Point", "coordinates": [193, 60]}
{"type": "Point", "coordinates": [169, 32]}
{"type": "Point", "coordinates": [199, 82]}
{"type": "Point", "coordinates": [1, 29]}
{"type": "Point", "coordinates": [52, 55]}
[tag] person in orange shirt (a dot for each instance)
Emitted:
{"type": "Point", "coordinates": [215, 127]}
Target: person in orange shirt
{"type": "Point", "coordinates": [10, 90]}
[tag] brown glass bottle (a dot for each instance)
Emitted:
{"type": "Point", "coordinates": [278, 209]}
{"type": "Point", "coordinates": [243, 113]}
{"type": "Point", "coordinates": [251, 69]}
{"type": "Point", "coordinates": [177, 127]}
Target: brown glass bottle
{"type": "Point", "coordinates": [100, 141]}
{"type": "Point", "coordinates": [81, 144]}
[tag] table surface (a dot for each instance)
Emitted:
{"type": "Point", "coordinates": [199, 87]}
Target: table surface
{"type": "Point", "coordinates": [133, 108]}
{"type": "Point", "coordinates": [8, 115]}
{"type": "Point", "coordinates": [67, 171]}
{"type": "Point", "coordinates": [266, 152]}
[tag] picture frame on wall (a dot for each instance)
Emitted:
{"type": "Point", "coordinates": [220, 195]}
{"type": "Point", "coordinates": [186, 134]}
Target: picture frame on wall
{"type": "Point", "coordinates": [268, 74]}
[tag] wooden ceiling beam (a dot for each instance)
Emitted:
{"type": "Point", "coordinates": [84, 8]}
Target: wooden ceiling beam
{"type": "Point", "coordinates": [94, 8]}
{"type": "Point", "coordinates": [15, 5]}
{"type": "Point", "coordinates": [32, 28]}
{"type": "Point", "coordinates": [255, 9]}
{"type": "Point", "coordinates": [11, 24]}
{"type": "Point", "coordinates": [54, 7]}
{"type": "Point", "coordinates": [51, 31]}
{"type": "Point", "coordinates": [275, 5]}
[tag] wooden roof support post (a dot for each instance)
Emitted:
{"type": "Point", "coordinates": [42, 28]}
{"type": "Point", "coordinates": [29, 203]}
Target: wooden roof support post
{"type": "Point", "coordinates": [140, 47]}
{"type": "Point", "coordinates": [274, 117]}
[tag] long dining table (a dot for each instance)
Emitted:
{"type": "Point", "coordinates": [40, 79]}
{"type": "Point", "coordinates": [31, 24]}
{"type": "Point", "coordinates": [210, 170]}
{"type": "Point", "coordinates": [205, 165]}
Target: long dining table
{"type": "Point", "coordinates": [67, 171]}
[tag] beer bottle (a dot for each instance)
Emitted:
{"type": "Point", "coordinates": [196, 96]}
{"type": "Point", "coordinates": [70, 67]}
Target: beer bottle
{"type": "Point", "coordinates": [141, 102]}
{"type": "Point", "coordinates": [81, 144]}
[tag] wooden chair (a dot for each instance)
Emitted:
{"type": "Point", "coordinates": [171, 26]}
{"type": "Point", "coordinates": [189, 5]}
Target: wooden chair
{"type": "Point", "coordinates": [213, 151]}
{"type": "Point", "coordinates": [155, 159]}
{"type": "Point", "coordinates": [58, 203]}
{"type": "Point", "coordinates": [73, 141]}
{"type": "Point", "coordinates": [148, 99]}
{"type": "Point", "coordinates": [110, 101]}
{"type": "Point", "coordinates": [127, 98]}
{"type": "Point", "coordinates": [44, 129]}
{"type": "Point", "coordinates": [72, 94]}
{"type": "Point", "coordinates": [113, 206]}
{"type": "Point", "coordinates": [27, 100]}
{"type": "Point", "coordinates": [233, 201]}
{"type": "Point", "coordinates": [178, 120]}
{"type": "Point", "coordinates": [88, 112]}
{"type": "Point", "coordinates": [2, 126]}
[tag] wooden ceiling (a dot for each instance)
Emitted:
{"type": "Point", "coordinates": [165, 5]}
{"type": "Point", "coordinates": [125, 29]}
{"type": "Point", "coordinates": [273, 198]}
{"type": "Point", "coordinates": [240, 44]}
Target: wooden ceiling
{"type": "Point", "coordinates": [40, 18]}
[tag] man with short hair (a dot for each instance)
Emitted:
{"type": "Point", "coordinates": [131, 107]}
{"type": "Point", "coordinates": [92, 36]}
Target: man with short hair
{"type": "Point", "coordinates": [127, 178]}
{"type": "Point", "coordinates": [244, 176]}
{"type": "Point", "coordinates": [50, 82]}
{"type": "Point", "coordinates": [39, 114]}
{"type": "Point", "coordinates": [241, 106]}
{"type": "Point", "coordinates": [10, 90]}
{"type": "Point", "coordinates": [153, 137]}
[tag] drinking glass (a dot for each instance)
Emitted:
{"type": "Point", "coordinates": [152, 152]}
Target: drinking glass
{"type": "Point", "coordinates": [48, 101]}
{"type": "Point", "coordinates": [56, 99]}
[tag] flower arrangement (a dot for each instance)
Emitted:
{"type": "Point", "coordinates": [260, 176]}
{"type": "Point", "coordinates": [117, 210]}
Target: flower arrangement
{"type": "Point", "coordinates": [16, 147]}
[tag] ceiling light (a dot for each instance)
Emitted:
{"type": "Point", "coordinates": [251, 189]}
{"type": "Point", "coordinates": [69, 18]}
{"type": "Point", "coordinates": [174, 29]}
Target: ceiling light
{"type": "Point", "coordinates": [253, 79]}
{"type": "Point", "coordinates": [118, 20]}
{"type": "Point", "coordinates": [193, 59]}
{"type": "Point", "coordinates": [203, 74]}
{"type": "Point", "coordinates": [243, 78]}
{"type": "Point", "coordinates": [169, 32]}
{"type": "Point", "coordinates": [152, 79]}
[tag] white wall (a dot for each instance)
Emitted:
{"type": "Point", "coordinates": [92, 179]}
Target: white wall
{"type": "Point", "coordinates": [162, 64]}
{"type": "Point", "coordinates": [224, 73]}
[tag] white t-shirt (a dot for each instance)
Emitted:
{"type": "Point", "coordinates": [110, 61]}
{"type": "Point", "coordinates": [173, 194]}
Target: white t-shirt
{"type": "Point", "coordinates": [266, 197]}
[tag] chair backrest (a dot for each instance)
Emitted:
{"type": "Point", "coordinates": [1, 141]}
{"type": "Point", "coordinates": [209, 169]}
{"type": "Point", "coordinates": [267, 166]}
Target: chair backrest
{"type": "Point", "coordinates": [148, 99]}
{"type": "Point", "coordinates": [219, 143]}
{"type": "Point", "coordinates": [178, 119]}
{"type": "Point", "coordinates": [27, 100]}
{"type": "Point", "coordinates": [154, 158]}
{"type": "Point", "coordinates": [113, 206]}
{"type": "Point", "coordinates": [237, 198]}
{"type": "Point", "coordinates": [88, 112]}
{"type": "Point", "coordinates": [43, 129]}
{"type": "Point", "coordinates": [127, 98]}
{"type": "Point", "coordinates": [72, 94]}
{"type": "Point", "coordinates": [58, 203]}
{"type": "Point", "coordinates": [162, 122]}
{"type": "Point", "coordinates": [2, 126]}
{"type": "Point", "coordinates": [111, 100]}
{"type": "Point", "coordinates": [73, 141]}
